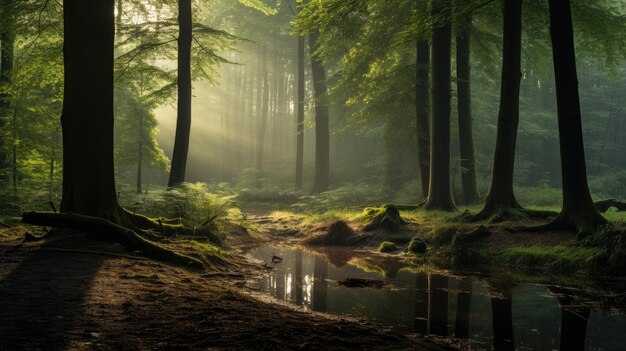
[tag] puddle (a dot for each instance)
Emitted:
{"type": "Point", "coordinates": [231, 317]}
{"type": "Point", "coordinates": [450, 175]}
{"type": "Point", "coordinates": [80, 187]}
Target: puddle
{"type": "Point", "coordinates": [496, 314]}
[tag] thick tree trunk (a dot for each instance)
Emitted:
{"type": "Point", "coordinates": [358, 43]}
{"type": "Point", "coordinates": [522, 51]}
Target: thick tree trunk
{"type": "Point", "coordinates": [422, 100]}
{"type": "Point", "coordinates": [183, 120]}
{"type": "Point", "coordinates": [322, 130]}
{"type": "Point", "coordinates": [579, 212]}
{"type": "Point", "coordinates": [87, 117]}
{"type": "Point", "coordinates": [7, 42]}
{"type": "Point", "coordinates": [466, 134]}
{"type": "Point", "coordinates": [264, 113]}
{"type": "Point", "coordinates": [439, 190]}
{"type": "Point", "coordinates": [300, 116]}
{"type": "Point", "coordinates": [501, 198]}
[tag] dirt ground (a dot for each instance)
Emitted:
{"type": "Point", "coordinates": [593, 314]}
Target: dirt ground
{"type": "Point", "coordinates": [54, 297]}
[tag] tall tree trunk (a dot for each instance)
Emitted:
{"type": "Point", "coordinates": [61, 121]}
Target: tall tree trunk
{"type": "Point", "coordinates": [322, 129]}
{"type": "Point", "coordinates": [466, 134]}
{"type": "Point", "coordinates": [140, 117]}
{"type": "Point", "coordinates": [87, 117]}
{"type": "Point", "coordinates": [7, 42]}
{"type": "Point", "coordinates": [183, 120]}
{"type": "Point", "coordinates": [578, 211]}
{"type": "Point", "coordinates": [500, 198]}
{"type": "Point", "coordinates": [264, 112]}
{"type": "Point", "coordinates": [422, 100]}
{"type": "Point", "coordinates": [439, 190]}
{"type": "Point", "coordinates": [300, 116]}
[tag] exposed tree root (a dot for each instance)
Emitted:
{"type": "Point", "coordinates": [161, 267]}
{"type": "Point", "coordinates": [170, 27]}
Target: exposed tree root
{"type": "Point", "coordinates": [171, 227]}
{"type": "Point", "coordinates": [5, 225]}
{"type": "Point", "coordinates": [605, 205]}
{"type": "Point", "coordinates": [92, 252]}
{"type": "Point", "coordinates": [103, 229]}
{"type": "Point", "coordinates": [582, 225]}
{"type": "Point", "coordinates": [502, 214]}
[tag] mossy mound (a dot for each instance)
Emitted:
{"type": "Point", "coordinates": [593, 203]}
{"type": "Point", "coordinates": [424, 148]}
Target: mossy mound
{"type": "Point", "coordinates": [338, 233]}
{"type": "Point", "coordinates": [417, 246]}
{"type": "Point", "coordinates": [386, 218]}
{"type": "Point", "coordinates": [387, 246]}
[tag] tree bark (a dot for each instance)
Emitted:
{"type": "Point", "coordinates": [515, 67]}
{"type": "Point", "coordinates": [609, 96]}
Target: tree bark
{"type": "Point", "coordinates": [87, 117]}
{"type": "Point", "coordinates": [300, 116]}
{"type": "Point", "coordinates": [322, 129]}
{"type": "Point", "coordinates": [579, 212]}
{"type": "Point", "coordinates": [7, 42]}
{"type": "Point", "coordinates": [139, 150]}
{"type": "Point", "coordinates": [183, 120]}
{"type": "Point", "coordinates": [466, 134]}
{"type": "Point", "coordinates": [422, 101]}
{"type": "Point", "coordinates": [500, 197]}
{"type": "Point", "coordinates": [439, 190]}
{"type": "Point", "coordinates": [264, 112]}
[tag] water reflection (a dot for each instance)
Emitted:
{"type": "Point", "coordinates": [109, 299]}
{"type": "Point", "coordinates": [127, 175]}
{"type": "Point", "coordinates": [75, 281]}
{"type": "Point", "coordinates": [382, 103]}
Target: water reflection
{"type": "Point", "coordinates": [492, 312]}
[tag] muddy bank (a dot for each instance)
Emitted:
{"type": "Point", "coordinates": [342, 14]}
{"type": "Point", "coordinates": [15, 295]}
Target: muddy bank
{"type": "Point", "coordinates": [82, 300]}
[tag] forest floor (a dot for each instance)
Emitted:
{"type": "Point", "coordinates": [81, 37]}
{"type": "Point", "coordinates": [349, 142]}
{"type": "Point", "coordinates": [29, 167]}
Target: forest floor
{"type": "Point", "coordinates": [75, 293]}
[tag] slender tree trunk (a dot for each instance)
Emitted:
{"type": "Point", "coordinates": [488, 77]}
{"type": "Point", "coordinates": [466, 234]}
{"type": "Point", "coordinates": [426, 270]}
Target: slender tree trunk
{"type": "Point", "coordinates": [501, 198]}
{"type": "Point", "coordinates": [14, 149]}
{"type": "Point", "coordinates": [422, 100]}
{"type": "Point", "coordinates": [300, 116]}
{"type": "Point", "coordinates": [466, 134]}
{"type": "Point", "coordinates": [439, 190]}
{"type": "Point", "coordinates": [139, 151]}
{"type": "Point", "coordinates": [7, 42]}
{"type": "Point", "coordinates": [322, 130]}
{"type": "Point", "coordinates": [578, 211]}
{"type": "Point", "coordinates": [183, 120]}
{"type": "Point", "coordinates": [87, 117]}
{"type": "Point", "coordinates": [264, 113]}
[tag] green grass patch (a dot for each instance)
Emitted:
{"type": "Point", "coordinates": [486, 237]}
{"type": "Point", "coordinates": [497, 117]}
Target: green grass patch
{"type": "Point", "coordinates": [556, 258]}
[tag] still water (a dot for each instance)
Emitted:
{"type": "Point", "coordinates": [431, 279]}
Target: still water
{"type": "Point", "coordinates": [491, 312]}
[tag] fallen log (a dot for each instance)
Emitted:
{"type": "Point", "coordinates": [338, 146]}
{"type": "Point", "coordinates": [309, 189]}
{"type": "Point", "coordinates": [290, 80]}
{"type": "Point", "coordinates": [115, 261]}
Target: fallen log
{"type": "Point", "coordinates": [103, 229]}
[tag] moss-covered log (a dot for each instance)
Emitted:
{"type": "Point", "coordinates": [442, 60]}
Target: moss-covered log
{"type": "Point", "coordinates": [171, 227]}
{"type": "Point", "coordinates": [103, 229]}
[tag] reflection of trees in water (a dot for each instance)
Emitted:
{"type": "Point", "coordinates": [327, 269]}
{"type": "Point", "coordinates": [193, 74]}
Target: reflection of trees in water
{"type": "Point", "coordinates": [438, 305]}
{"type": "Point", "coordinates": [463, 305]}
{"type": "Point", "coordinates": [502, 315]}
{"type": "Point", "coordinates": [574, 318]}
{"type": "Point", "coordinates": [320, 285]}
{"type": "Point", "coordinates": [297, 279]}
{"type": "Point", "coordinates": [421, 303]}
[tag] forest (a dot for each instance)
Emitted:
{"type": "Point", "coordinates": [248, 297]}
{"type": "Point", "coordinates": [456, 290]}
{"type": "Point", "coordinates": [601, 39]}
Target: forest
{"type": "Point", "coordinates": [313, 175]}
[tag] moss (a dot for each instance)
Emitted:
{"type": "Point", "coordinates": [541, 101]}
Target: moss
{"type": "Point", "coordinates": [386, 218]}
{"type": "Point", "coordinates": [387, 246]}
{"type": "Point", "coordinates": [417, 246]}
{"type": "Point", "coordinates": [556, 258]}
